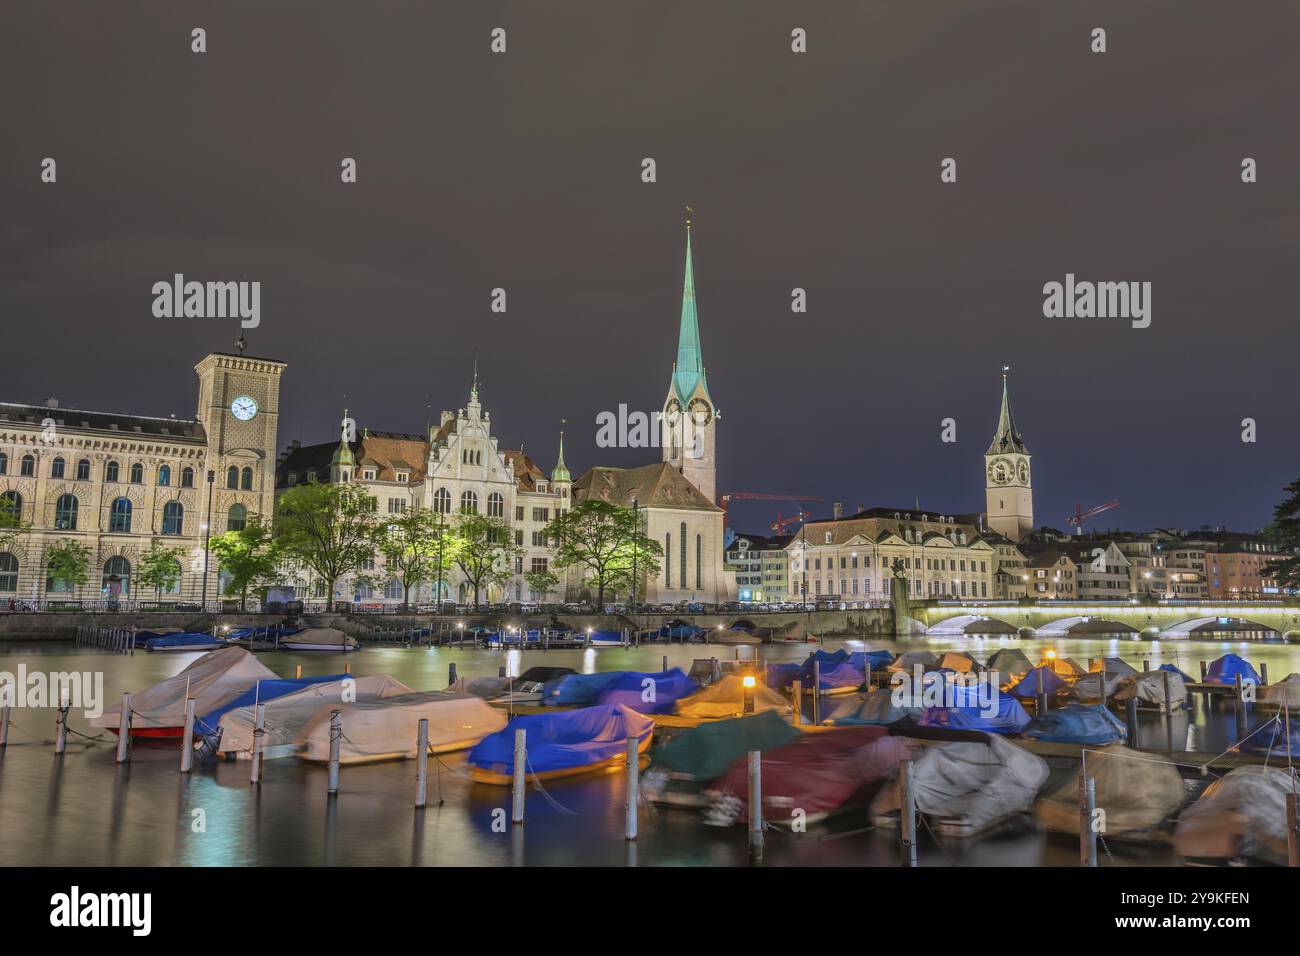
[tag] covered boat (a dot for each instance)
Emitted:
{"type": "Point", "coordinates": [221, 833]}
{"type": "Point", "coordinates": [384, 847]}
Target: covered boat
{"type": "Point", "coordinates": [967, 787]}
{"type": "Point", "coordinates": [1187, 678]}
{"type": "Point", "coordinates": [726, 698]}
{"type": "Point", "coordinates": [180, 641]}
{"type": "Point", "coordinates": [1113, 666]}
{"type": "Point", "coordinates": [1226, 668]}
{"type": "Point", "coordinates": [731, 637]}
{"type": "Point", "coordinates": [1077, 724]}
{"type": "Point", "coordinates": [562, 743]}
{"type": "Point", "coordinates": [1277, 738]}
{"type": "Point", "coordinates": [649, 693]}
{"type": "Point", "coordinates": [1066, 667]}
{"type": "Point", "coordinates": [1285, 693]}
{"type": "Point", "coordinates": [288, 716]}
{"type": "Point", "coordinates": [212, 680]}
{"type": "Point", "coordinates": [1149, 689]}
{"type": "Point", "coordinates": [388, 728]}
{"type": "Point", "coordinates": [262, 691]}
{"type": "Point", "coordinates": [319, 639]}
{"type": "Point", "coordinates": [1240, 816]}
{"type": "Point", "coordinates": [1136, 792]}
{"type": "Point", "coordinates": [985, 709]}
{"type": "Point", "coordinates": [814, 774]}
{"type": "Point", "coordinates": [792, 633]}
{"type": "Point", "coordinates": [1039, 680]}
{"type": "Point", "coordinates": [911, 659]}
{"type": "Point", "coordinates": [1010, 662]}
{"type": "Point", "coordinates": [878, 659]}
{"type": "Point", "coordinates": [682, 767]}
{"type": "Point", "coordinates": [960, 661]}
{"type": "Point", "coordinates": [1087, 689]}
{"type": "Point", "coordinates": [876, 707]}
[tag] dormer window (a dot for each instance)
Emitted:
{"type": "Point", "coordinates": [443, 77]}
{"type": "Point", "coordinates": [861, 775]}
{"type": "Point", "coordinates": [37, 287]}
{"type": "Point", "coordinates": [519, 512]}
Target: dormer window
{"type": "Point", "coordinates": [403, 476]}
{"type": "Point", "coordinates": [368, 474]}
{"type": "Point", "coordinates": [541, 486]}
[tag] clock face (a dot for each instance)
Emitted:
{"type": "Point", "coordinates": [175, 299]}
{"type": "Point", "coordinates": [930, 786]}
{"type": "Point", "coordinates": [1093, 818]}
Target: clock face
{"type": "Point", "coordinates": [1022, 472]}
{"type": "Point", "coordinates": [999, 471]}
{"type": "Point", "coordinates": [243, 408]}
{"type": "Point", "coordinates": [674, 411]}
{"type": "Point", "coordinates": [700, 412]}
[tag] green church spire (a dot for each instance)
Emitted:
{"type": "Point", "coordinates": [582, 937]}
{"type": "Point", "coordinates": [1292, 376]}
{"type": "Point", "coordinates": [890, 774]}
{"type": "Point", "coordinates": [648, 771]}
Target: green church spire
{"type": "Point", "coordinates": [688, 370]}
{"type": "Point", "coordinates": [1008, 437]}
{"type": "Point", "coordinates": [343, 454]}
{"type": "Point", "coordinates": [561, 473]}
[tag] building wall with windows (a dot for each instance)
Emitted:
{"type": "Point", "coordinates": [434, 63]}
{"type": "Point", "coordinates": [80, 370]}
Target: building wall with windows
{"type": "Point", "coordinates": [762, 568]}
{"type": "Point", "coordinates": [115, 483]}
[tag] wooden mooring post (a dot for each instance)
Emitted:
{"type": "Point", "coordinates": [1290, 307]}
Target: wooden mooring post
{"type": "Point", "coordinates": [61, 726]}
{"type": "Point", "coordinates": [755, 806]}
{"type": "Point", "coordinates": [124, 730]}
{"type": "Point", "coordinates": [796, 700]}
{"type": "Point", "coordinates": [422, 763]}
{"type": "Point", "coordinates": [633, 787]}
{"type": "Point", "coordinates": [259, 735]}
{"type": "Point", "coordinates": [817, 694]}
{"type": "Point", "coordinates": [1087, 810]}
{"type": "Point", "coordinates": [1292, 828]}
{"type": "Point", "coordinates": [907, 813]}
{"type": "Point", "coordinates": [517, 787]}
{"type": "Point", "coordinates": [187, 738]}
{"type": "Point", "coordinates": [336, 739]}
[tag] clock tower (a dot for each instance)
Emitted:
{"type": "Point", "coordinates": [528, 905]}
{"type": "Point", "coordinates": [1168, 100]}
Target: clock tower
{"type": "Point", "coordinates": [689, 415]}
{"type": "Point", "coordinates": [1009, 496]}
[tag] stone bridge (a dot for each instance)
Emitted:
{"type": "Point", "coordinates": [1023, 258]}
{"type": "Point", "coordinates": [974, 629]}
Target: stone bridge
{"type": "Point", "coordinates": [1170, 621]}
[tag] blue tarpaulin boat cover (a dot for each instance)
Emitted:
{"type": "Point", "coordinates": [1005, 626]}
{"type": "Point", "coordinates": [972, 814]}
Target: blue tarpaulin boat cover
{"type": "Point", "coordinates": [781, 676]}
{"type": "Point", "coordinates": [877, 707]}
{"type": "Point", "coordinates": [564, 739]}
{"type": "Point", "coordinates": [836, 671]}
{"type": "Point", "coordinates": [1270, 739]}
{"type": "Point", "coordinates": [877, 659]}
{"type": "Point", "coordinates": [1226, 669]}
{"type": "Point", "coordinates": [267, 632]}
{"type": "Point", "coordinates": [834, 676]}
{"type": "Point", "coordinates": [263, 691]}
{"type": "Point", "coordinates": [826, 658]}
{"type": "Point", "coordinates": [1008, 717]}
{"type": "Point", "coordinates": [632, 688]}
{"type": "Point", "coordinates": [1041, 677]}
{"type": "Point", "coordinates": [182, 639]}
{"type": "Point", "coordinates": [1187, 678]}
{"type": "Point", "coordinates": [1077, 724]}
{"type": "Point", "coordinates": [682, 633]}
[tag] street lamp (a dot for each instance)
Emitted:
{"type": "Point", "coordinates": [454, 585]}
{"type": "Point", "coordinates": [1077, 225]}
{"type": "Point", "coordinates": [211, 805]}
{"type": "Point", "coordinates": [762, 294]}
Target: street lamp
{"type": "Point", "coordinates": [207, 535]}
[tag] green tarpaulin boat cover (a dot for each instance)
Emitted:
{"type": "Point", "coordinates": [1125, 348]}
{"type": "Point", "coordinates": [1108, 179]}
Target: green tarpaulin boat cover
{"type": "Point", "coordinates": [706, 751]}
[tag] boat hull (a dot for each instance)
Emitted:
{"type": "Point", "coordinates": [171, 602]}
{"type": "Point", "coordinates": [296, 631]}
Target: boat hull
{"type": "Point", "coordinates": [616, 762]}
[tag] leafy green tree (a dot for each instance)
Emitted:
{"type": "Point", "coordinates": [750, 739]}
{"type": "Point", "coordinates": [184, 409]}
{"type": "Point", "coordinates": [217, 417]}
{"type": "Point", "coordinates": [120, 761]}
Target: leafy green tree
{"type": "Point", "coordinates": [12, 525]}
{"type": "Point", "coordinates": [542, 582]}
{"type": "Point", "coordinates": [1285, 532]}
{"type": "Point", "coordinates": [68, 563]}
{"type": "Point", "coordinates": [602, 541]}
{"type": "Point", "coordinates": [159, 568]}
{"type": "Point", "coordinates": [484, 551]}
{"type": "Point", "coordinates": [249, 556]}
{"type": "Point", "coordinates": [327, 528]}
{"type": "Point", "coordinates": [409, 543]}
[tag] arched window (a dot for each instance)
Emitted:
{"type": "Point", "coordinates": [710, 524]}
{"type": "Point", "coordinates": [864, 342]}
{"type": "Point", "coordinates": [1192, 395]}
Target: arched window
{"type": "Point", "coordinates": [164, 475]}
{"type": "Point", "coordinates": [117, 576]}
{"type": "Point", "coordinates": [683, 545]}
{"type": "Point", "coordinates": [173, 518]}
{"type": "Point", "coordinates": [83, 470]}
{"type": "Point", "coordinates": [237, 518]}
{"type": "Point", "coordinates": [65, 513]}
{"type": "Point", "coordinates": [469, 503]}
{"type": "Point", "coordinates": [699, 551]}
{"type": "Point", "coordinates": [232, 477]}
{"type": "Point", "coordinates": [137, 474]}
{"type": "Point", "coordinates": [668, 558]}
{"type": "Point", "coordinates": [246, 479]}
{"type": "Point", "coordinates": [12, 502]}
{"type": "Point", "coordinates": [187, 477]}
{"type": "Point", "coordinates": [56, 468]}
{"type": "Point", "coordinates": [496, 505]}
{"type": "Point", "coordinates": [4, 463]}
{"type": "Point", "coordinates": [119, 516]}
{"type": "Point", "coordinates": [110, 471]}
{"type": "Point", "coordinates": [442, 501]}
{"type": "Point", "coordinates": [393, 590]}
{"type": "Point", "coordinates": [27, 467]}
{"type": "Point", "coordinates": [8, 573]}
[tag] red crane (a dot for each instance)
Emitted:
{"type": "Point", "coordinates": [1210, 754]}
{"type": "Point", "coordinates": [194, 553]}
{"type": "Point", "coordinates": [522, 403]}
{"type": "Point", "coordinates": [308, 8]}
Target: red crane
{"type": "Point", "coordinates": [781, 523]}
{"type": "Point", "coordinates": [725, 499]}
{"type": "Point", "coordinates": [1080, 515]}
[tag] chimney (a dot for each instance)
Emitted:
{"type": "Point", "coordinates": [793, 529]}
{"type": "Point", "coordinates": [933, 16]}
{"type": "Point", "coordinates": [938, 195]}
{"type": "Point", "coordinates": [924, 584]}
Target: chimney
{"type": "Point", "coordinates": [51, 402]}
{"type": "Point", "coordinates": [839, 510]}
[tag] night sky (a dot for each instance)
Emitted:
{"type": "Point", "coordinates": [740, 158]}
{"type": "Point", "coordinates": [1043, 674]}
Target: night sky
{"type": "Point", "coordinates": [818, 170]}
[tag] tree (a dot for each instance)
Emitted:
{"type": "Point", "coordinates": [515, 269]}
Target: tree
{"type": "Point", "coordinates": [11, 524]}
{"type": "Point", "coordinates": [1285, 532]}
{"type": "Point", "coordinates": [542, 582]}
{"type": "Point", "coordinates": [249, 556]}
{"type": "Point", "coordinates": [602, 540]}
{"type": "Point", "coordinates": [410, 543]}
{"type": "Point", "coordinates": [159, 568]}
{"type": "Point", "coordinates": [329, 529]}
{"type": "Point", "coordinates": [67, 562]}
{"type": "Point", "coordinates": [484, 551]}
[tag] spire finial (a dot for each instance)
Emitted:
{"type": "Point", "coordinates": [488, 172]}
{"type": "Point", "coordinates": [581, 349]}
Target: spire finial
{"type": "Point", "coordinates": [561, 471]}
{"type": "Point", "coordinates": [689, 211]}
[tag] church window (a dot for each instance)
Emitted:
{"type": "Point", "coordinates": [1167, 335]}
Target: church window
{"type": "Point", "coordinates": [683, 546]}
{"type": "Point", "coordinates": [699, 552]}
{"type": "Point", "coordinates": [469, 503]}
{"type": "Point", "coordinates": [496, 505]}
{"type": "Point", "coordinates": [442, 501]}
{"type": "Point", "coordinates": [668, 558]}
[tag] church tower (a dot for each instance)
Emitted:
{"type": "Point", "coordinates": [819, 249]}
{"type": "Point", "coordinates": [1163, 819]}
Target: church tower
{"type": "Point", "coordinates": [1009, 497]}
{"type": "Point", "coordinates": [689, 415]}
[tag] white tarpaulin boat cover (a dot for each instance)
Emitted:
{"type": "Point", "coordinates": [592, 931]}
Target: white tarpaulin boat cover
{"type": "Point", "coordinates": [1240, 815]}
{"type": "Point", "coordinates": [388, 729]}
{"type": "Point", "coordinates": [726, 698]}
{"type": "Point", "coordinates": [1136, 792]}
{"type": "Point", "coordinates": [319, 637]}
{"type": "Point", "coordinates": [213, 680]}
{"type": "Point", "coordinates": [909, 659]}
{"type": "Point", "coordinates": [976, 783]}
{"type": "Point", "coordinates": [1087, 689]}
{"type": "Point", "coordinates": [1149, 688]}
{"type": "Point", "coordinates": [288, 717]}
{"type": "Point", "coordinates": [1284, 692]}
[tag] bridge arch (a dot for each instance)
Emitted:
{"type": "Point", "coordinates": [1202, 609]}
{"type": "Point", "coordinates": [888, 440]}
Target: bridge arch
{"type": "Point", "coordinates": [1186, 630]}
{"type": "Point", "coordinates": [1083, 626]}
{"type": "Point", "coordinates": [964, 624]}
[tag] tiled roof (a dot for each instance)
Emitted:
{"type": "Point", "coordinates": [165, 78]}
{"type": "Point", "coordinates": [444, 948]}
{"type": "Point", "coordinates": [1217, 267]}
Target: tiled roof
{"type": "Point", "coordinates": [108, 422]}
{"type": "Point", "coordinates": [655, 486]}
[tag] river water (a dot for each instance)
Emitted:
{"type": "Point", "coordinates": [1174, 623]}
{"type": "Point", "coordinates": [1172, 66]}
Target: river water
{"type": "Point", "coordinates": [85, 810]}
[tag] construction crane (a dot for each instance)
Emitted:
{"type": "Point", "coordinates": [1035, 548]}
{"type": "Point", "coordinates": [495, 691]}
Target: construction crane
{"type": "Point", "coordinates": [1080, 515]}
{"type": "Point", "coordinates": [782, 522]}
{"type": "Point", "coordinates": [724, 500]}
